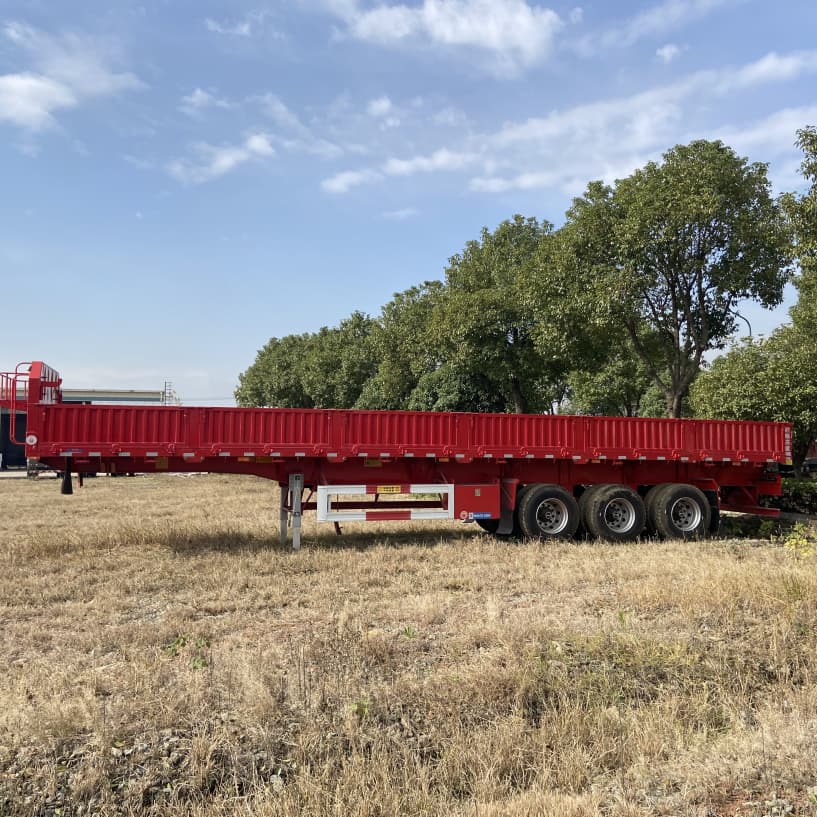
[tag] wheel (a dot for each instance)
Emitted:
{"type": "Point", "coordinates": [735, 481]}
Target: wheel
{"type": "Point", "coordinates": [548, 512]}
{"type": "Point", "coordinates": [714, 511]}
{"type": "Point", "coordinates": [679, 511]}
{"type": "Point", "coordinates": [649, 503]}
{"type": "Point", "coordinates": [615, 513]}
{"type": "Point", "coordinates": [584, 501]}
{"type": "Point", "coordinates": [491, 525]}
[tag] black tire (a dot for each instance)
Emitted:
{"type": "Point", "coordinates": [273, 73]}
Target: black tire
{"type": "Point", "coordinates": [615, 513]}
{"type": "Point", "coordinates": [492, 525]}
{"type": "Point", "coordinates": [714, 513]}
{"type": "Point", "coordinates": [584, 501]}
{"type": "Point", "coordinates": [649, 504]}
{"type": "Point", "coordinates": [548, 512]}
{"type": "Point", "coordinates": [679, 511]}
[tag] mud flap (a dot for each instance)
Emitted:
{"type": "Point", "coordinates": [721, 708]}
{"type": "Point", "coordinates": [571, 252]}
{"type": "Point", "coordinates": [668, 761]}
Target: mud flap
{"type": "Point", "coordinates": [507, 506]}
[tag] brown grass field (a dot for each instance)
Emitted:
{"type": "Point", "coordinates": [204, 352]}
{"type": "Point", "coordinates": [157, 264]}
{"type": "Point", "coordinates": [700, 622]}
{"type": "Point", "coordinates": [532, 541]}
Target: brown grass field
{"type": "Point", "coordinates": [162, 654]}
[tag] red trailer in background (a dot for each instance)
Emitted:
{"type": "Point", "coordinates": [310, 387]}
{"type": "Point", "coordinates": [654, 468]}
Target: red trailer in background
{"type": "Point", "coordinates": [532, 475]}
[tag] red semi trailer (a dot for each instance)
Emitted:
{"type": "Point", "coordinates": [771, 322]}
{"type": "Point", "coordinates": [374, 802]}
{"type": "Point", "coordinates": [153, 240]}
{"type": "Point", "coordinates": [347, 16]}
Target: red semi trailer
{"type": "Point", "coordinates": [533, 475]}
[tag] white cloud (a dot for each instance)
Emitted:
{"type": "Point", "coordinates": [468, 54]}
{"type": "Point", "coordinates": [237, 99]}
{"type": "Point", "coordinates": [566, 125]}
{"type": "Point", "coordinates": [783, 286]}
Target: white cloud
{"type": "Point", "coordinates": [576, 15]}
{"type": "Point", "coordinates": [656, 21]}
{"type": "Point", "coordinates": [299, 138]}
{"type": "Point", "coordinates": [250, 25]}
{"type": "Point", "coordinates": [606, 139]}
{"type": "Point", "coordinates": [199, 100]}
{"type": "Point", "coordinates": [279, 113]}
{"type": "Point", "coordinates": [771, 68]}
{"type": "Point", "coordinates": [643, 119]}
{"type": "Point", "coordinates": [773, 133]}
{"type": "Point", "coordinates": [450, 117]}
{"type": "Point", "coordinates": [667, 53]}
{"type": "Point", "coordinates": [440, 160]}
{"type": "Point", "coordinates": [610, 138]}
{"type": "Point", "coordinates": [399, 215]}
{"type": "Point", "coordinates": [212, 161]}
{"type": "Point", "coordinates": [314, 146]}
{"type": "Point", "coordinates": [515, 33]}
{"type": "Point", "coordinates": [380, 107]}
{"type": "Point", "coordinates": [80, 63]}
{"type": "Point", "coordinates": [239, 29]}
{"type": "Point", "coordinates": [386, 113]}
{"type": "Point", "coordinates": [666, 16]}
{"type": "Point", "coordinates": [343, 182]}
{"type": "Point", "coordinates": [65, 71]}
{"type": "Point", "coordinates": [522, 181]}
{"type": "Point", "coordinates": [259, 144]}
{"type": "Point", "coordinates": [772, 137]}
{"type": "Point", "coordinates": [30, 100]}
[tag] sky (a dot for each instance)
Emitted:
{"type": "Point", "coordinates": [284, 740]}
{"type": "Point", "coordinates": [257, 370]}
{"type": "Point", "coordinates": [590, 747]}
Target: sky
{"type": "Point", "coordinates": [181, 180]}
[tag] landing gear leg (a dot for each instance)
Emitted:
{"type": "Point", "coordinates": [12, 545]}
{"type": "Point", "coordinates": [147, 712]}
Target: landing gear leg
{"type": "Point", "coordinates": [67, 485]}
{"type": "Point", "coordinates": [291, 507]}
{"type": "Point", "coordinates": [284, 518]}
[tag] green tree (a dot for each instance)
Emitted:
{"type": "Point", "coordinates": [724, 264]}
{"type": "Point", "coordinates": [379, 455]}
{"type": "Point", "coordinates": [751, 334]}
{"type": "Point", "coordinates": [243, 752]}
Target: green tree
{"type": "Point", "coordinates": [449, 388]}
{"type": "Point", "coordinates": [675, 248]}
{"type": "Point", "coordinates": [403, 348]}
{"type": "Point", "coordinates": [484, 326]}
{"type": "Point", "coordinates": [771, 379]}
{"type": "Point", "coordinates": [276, 376]}
{"type": "Point", "coordinates": [616, 387]}
{"type": "Point", "coordinates": [803, 211]}
{"type": "Point", "coordinates": [325, 369]}
{"type": "Point", "coordinates": [776, 379]}
{"type": "Point", "coordinates": [339, 362]}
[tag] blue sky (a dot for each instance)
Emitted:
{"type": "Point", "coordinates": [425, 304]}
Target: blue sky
{"type": "Point", "coordinates": [180, 181]}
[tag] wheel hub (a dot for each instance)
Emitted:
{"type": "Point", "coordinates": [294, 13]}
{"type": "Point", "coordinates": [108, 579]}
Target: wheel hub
{"type": "Point", "coordinates": [552, 516]}
{"type": "Point", "coordinates": [686, 514]}
{"type": "Point", "coordinates": [619, 515]}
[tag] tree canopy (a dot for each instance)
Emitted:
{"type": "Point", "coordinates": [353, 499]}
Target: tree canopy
{"type": "Point", "coordinates": [484, 325]}
{"type": "Point", "coordinates": [776, 378]}
{"type": "Point", "coordinates": [675, 248]}
{"type": "Point", "coordinates": [325, 369]}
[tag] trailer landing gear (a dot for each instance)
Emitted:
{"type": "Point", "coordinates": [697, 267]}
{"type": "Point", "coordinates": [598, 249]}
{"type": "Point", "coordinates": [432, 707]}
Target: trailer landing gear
{"type": "Point", "coordinates": [67, 485]}
{"type": "Point", "coordinates": [292, 509]}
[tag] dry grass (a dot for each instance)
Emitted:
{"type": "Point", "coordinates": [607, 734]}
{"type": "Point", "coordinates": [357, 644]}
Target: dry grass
{"type": "Point", "coordinates": [163, 655]}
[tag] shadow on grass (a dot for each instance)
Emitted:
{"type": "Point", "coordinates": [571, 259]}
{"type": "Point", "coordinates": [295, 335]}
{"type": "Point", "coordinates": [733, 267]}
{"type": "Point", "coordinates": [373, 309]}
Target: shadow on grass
{"type": "Point", "coordinates": [232, 541]}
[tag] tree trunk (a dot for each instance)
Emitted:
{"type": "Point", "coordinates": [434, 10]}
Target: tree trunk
{"type": "Point", "coordinates": [675, 404]}
{"type": "Point", "coordinates": [520, 404]}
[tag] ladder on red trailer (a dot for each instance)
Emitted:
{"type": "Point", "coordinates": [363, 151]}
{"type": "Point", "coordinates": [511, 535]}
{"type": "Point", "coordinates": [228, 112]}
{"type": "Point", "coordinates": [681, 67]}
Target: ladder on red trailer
{"type": "Point", "coordinates": [531, 475]}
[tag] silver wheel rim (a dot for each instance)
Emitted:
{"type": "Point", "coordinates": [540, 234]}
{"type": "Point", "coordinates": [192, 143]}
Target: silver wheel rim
{"type": "Point", "coordinates": [686, 514]}
{"type": "Point", "coordinates": [552, 516]}
{"type": "Point", "coordinates": [619, 515]}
